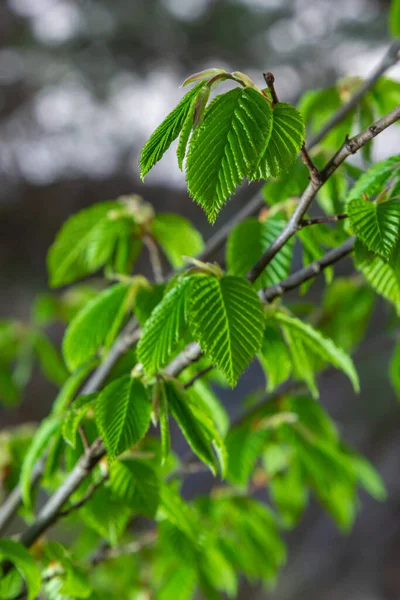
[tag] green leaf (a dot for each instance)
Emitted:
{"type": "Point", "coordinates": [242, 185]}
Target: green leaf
{"type": "Point", "coordinates": [226, 319]}
{"type": "Point", "coordinates": [177, 237]}
{"type": "Point", "coordinates": [195, 424]}
{"type": "Point", "coordinates": [377, 226]}
{"type": "Point", "coordinates": [346, 311]}
{"type": "Point", "coordinates": [20, 557]}
{"type": "Point", "coordinates": [75, 415]}
{"type": "Point", "coordinates": [193, 118]}
{"type": "Point", "coordinates": [248, 242]}
{"type": "Point", "coordinates": [368, 477]}
{"type": "Point", "coordinates": [71, 386]}
{"type": "Point", "coordinates": [146, 301]}
{"type": "Point", "coordinates": [9, 391]}
{"type": "Point", "coordinates": [374, 180]}
{"type": "Point", "coordinates": [202, 392]}
{"type": "Point", "coordinates": [47, 429]}
{"type": "Point", "coordinates": [274, 357]}
{"type": "Point", "coordinates": [305, 341]}
{"type": "Point", "coordinates": [162, 331]}
{"type": "Point", "coordinates": [167, 132]}
{"type": "Point", "coordinates": [123, 414]}
{"type": "Point", "coordinates": [106, 514]}
{"type": "Point", "coordinates": [86, 242]}
{"type": "Point", "coordinates": [137, 484]}
{"type": "Point", "coordinates": [50, 361]}
{"type": "Point", "coordinates": [394, 18]}
{"type": "Point", "coordinates": [244, 445]}
{"type": "Point", "coordinates": [164, 424]}
{"type": "Point", "coordinates": [381, 275]}
{"type": "Point", "coordinates": [289, 494]}
{"type": "Point", "coordinates": [96, 325]}
{"type": "Point", "coordinates": [394, 370]}
{"type": "Point", "coordinates": [281, 150]}
{"type": "Point", "coordinates": [225, 148]}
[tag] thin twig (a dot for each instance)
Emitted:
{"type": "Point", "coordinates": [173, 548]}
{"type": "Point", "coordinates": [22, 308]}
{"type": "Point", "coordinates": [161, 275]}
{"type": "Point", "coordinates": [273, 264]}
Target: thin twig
{"type": "Point", "coordinates": [84, 499]}
{"type": "Point", "coordinates": [350, 146]}
{"type": "Point", "coordinates": [269, 80]}
{"type": "Point", "coordinates": [389, 60]}
{"type": "Point", "coordinates": [154, 256]}
{"type": "Point", "coordinates": [315, 175]}
{"type": "Point", "coordinates": [309, 272]}
{"type": "Point", "coordinates": [198, 375]}
{"type": "Point", "coordinates": [320, 220]}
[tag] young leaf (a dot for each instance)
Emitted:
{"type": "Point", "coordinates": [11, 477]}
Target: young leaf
{"type": "Point", "coordinates": [123, 414]}
{"type": "Point", "coordinates": [47, 429]}
{"type": "Point", "coordinates": [167, 132]}
{"type": "Point", "coordinates": [274, 357]}
{"type": "Point", "coordinates": [225, 147]}
{"type": "Point", "coordinates": [381, 275]}
{"type": "Point", "coordinates": [50, 361]}
{"type": "Point", "coordinates": [247, 243]}
{"type": "Point", "coordinates": [194, 117]}
{"type": "Point", "coordinates": [226, 319]}
{"type": "Point", "coordinates": [96, 325]}
{"type": "Point", "coordinates": [85, 243]}
{"type": "Point", "coordinates": [177, 237]}
{"type": "Point", "coordinates": [313, 342]}
{"type": "Point", "coordinates": [163, 329]}
{"type": "Point", "coordinates": [20, 557]}
{"type": "Point", "coordinates": [75, 415]}
{"type": "Point", "coordinates": [377, 226]}
{"type": "Point", "coordinates": [394, 18]}
{"type": "Point", "coordinates": [373, 181]}
{"type": "Point", "coordinates": [281, 150]}
{"type": "Point", "coordinates": [137, 484]}
{"type": "Point", "coordinates": [192, 427]}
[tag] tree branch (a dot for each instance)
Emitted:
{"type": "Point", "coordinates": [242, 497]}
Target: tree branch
{"type": "Point", "coordinates": [309, 272]}
{"type": "Point", "coordinates": [389, 60]}
{"type": "Point", "coordinates": [319, 220]}
{"type": "Point", "coordinates": [350, 146]}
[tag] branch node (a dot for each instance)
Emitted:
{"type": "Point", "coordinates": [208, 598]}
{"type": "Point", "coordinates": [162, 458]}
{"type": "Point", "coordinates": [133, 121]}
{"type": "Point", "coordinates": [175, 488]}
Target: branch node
{"type": "Point", "coordinates": [350, 145]}
{"type": "Point", "coordinates": [315, 174]}
{"type": "Point", "coordinates": [269, 80]}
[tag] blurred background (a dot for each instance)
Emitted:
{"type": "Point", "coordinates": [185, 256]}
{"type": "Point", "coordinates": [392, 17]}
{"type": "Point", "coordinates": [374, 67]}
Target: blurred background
{"type": "Point", "coordinates": [82, 85]}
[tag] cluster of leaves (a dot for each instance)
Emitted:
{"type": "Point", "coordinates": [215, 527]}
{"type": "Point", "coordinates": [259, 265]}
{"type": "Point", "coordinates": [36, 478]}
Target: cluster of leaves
{"type": "Point", "coordinates": [242, 134]}
{"type": "Point", "coordinates": [287, 448]}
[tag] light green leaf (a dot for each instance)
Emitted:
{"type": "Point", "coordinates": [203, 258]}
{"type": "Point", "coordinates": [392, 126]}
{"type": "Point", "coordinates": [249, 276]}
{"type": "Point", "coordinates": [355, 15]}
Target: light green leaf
{"type": "Point", "coordinates": [368, 477]}
{"type": "Point", "coordinates": [247, 243]}
{"type": "Point", "coordinates": [72, 385]}
{"type": "Point", "coordinates": [96, 325]}
{"type": "Point", "coordinates": [177, 237]}
{"type": "Point", "coordinates": [47, 429]}
{"type": "Point", "coordinates": [20, 557]}
{"type": "Point", "coordinates": [377, 226]}
{"type": "Point", "coordinates": [51, 363]}
{"type": "Point", "coordinates": [394, 18]}
{"type": "Point", "coordinates": [394, 370]}
{"type": "Point", "coordinates": [137, 485]}
{"type": "Point", "coordinates": [204, 75]}
{"type": "Point", "coordinates": [167, 132]}
{"type": "Point", "coordinates": [163, 330]}
{"type": "Point", "coordinates": [381, 275]}
{"type": "Point", "coordinates": [123, 414]}
{"type": "Point", "coordinates": [86, 242]}
{"type": "Point", "coordinates": [244, 445]}
{"type": "Point", "coordinates": [106, 514]}
{"type": "Point", "coordinates": [202, 392]}
{"type": "Point", "coordinates": [75, 415]}
{"type": "Point", "coordinates": [374, 180]}
{"type": "Point", "coordinates": [193, 118]}
{"type": "Point", "coordinates": [274, 357]}
{"type": "Point", "coordinates": [281, 150]}
{"type": "Point", "coordinates": [225, 148]}
{"type": "Point", "coordinates": [194, 424]}
{"type": "Point", "coordinates": [308, 341]}
{"type": "Point", "coordinates": [226, 319]}
{"type": "Point", "coordinates": [164, 424]}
